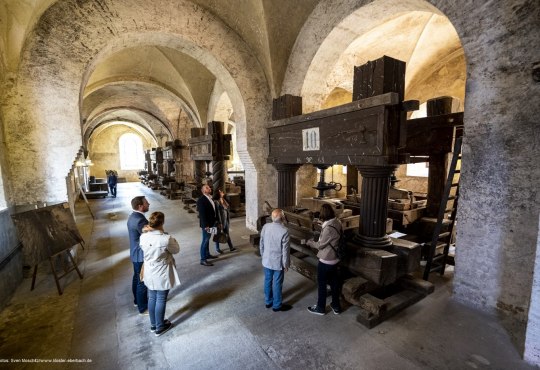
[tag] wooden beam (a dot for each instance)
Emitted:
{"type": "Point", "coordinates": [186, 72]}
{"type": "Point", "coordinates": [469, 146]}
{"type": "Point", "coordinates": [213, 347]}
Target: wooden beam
{"type": "Point", "coordinates": [358, 137]}
{"type": "Point", "coordinates": [431, 135]}
{"type": "Point", "coordinates": [384, 100]}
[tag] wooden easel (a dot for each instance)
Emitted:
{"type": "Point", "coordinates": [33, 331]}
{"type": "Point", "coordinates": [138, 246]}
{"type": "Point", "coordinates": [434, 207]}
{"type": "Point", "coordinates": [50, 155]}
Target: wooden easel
{"type": "Point", "coordinates": [67, 270]}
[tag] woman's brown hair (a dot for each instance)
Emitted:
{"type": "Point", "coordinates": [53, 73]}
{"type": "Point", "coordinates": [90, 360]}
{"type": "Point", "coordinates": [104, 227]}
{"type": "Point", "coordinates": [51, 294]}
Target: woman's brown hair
{"type": "Point", "coordinates": [327, 212]}
{"type": "Point", "coordinates": [156, 220]}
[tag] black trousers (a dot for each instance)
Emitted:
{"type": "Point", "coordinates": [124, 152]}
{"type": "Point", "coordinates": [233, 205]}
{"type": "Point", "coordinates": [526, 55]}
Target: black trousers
{"type": "Point", "coordinates": [328, 274]}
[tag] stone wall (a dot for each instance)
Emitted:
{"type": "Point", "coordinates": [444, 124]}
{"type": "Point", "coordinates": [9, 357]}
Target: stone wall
{"type": "Point", "coordinates": [499, 205]}
{"type": "Point", "coordinates": [104, 151]}
{"type": "Point", "coordinates": [532, 339]}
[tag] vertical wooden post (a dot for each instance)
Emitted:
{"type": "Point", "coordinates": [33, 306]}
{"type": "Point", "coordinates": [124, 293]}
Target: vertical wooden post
{"type": "Point", "coordinates": [215, 128]}
{"type": "Point", "coordinates": [284, 107]}
{"type": "Point", "coordinates": [437, 161]}
{"type": "Point", "coordinates": [199, 167]}
{"type": "Point", "coordinates": [377, 77]}
{"type": "Point", "coordinates": [286, 184]}
{"type": "Point", "coordinates": [352, 179]}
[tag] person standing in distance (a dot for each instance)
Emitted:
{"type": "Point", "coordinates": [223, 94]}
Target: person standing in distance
{"type": "Point", "coordinates": [112, 181]}
{"type": "Point", "coordinates": [135, 224]}
{"type": "Point", "coordinates": [275, 252]}
{"type": "Point", "coordinates": [207, 219]}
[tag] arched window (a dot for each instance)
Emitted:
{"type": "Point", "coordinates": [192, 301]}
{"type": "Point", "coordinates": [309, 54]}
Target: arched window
{"type": "Point", "coordinates": [131, 152]}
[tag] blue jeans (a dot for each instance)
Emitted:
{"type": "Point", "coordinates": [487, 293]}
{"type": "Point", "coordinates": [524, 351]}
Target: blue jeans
{"type": "Point", "coordinates": [328, 274]}
{"type": "Point", "coordinates": [273, 282]}
{"type": "Point", "coordinates": [140, 294]}
{"type": "Point", "coordinates": [113, 190]}
{"type": "Point", "coordinates": [157, 301]}
{"type": "Point", "coordinates": [205, 245]}
{"type": "Point", "coordinates": [229, 242]}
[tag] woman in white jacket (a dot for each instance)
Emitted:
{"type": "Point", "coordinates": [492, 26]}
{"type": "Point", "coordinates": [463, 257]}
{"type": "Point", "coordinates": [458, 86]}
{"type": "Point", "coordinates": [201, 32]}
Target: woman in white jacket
{"type": "Point", "coordinates": [159, 270]}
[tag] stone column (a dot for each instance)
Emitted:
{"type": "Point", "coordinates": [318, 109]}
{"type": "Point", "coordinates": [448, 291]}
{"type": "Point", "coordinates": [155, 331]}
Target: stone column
{"type": "Point", "coordinates": [286, 184]}
{"type": "Point", "coordinates": [374, 206]}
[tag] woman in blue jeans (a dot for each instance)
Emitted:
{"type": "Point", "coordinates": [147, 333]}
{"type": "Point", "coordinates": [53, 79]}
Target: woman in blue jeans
{"type": "Point", "coordinates": [159, 270]}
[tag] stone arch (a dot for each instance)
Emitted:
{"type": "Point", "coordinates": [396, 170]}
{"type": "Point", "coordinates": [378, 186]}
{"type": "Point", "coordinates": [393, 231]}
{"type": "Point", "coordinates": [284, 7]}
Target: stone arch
{"type": "Point", "coordinates": [496, 41]}
{"type": "Point", "coordinates": [179, 97]}
{"type": "Point", "coordinates": [140, 126]}
{"type": "Point", "coordinates": [360, 31]}
{"type": "Point", "coordinates": [320, 44]}
{"type": "Point", "coordinates": [97, 30]}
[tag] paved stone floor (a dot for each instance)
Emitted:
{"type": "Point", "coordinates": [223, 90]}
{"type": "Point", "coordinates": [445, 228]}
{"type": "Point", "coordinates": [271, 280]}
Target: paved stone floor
{"type": "Point", "coordinates": [219, 317]}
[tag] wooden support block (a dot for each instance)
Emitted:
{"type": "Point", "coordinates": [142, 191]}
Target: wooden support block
{"type": "Point", "coordinates": [409, 254]}
{"type": "Point", "coordinates": [394, 304]}
{"type": "Point", "coordinates": [304, 266]}
{"type": "Point", "coordinates": [406, 217]}
{"type": "Point", "coordinates": [378, 77]}
{"type": "Point", "coordinates": [286, 106]}
{"type": "Point", "coordinates": [410, 105]}
{"type": "Point", "coordinates": [376, 265]}
{"type": "Point", "coordinates": [353, 288]}
{"type": "Point", "coordinates": [418, 285]}
{"type": "Point", "coordinates": [372, 304]}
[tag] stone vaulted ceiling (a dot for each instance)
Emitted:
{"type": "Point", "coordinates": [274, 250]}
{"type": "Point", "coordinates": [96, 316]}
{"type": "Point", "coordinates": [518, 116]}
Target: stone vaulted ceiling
{"type": "Point", "coordinates": [156, 83]}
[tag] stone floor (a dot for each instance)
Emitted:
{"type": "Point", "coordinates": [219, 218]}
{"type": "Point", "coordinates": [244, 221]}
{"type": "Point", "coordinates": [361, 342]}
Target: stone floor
{"type": "Point", "coordinates": [219, 317]}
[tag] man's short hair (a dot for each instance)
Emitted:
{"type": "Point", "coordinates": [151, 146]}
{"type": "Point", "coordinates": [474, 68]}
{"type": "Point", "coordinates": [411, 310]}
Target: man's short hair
{"type": "Point", "coordinates": [277, 215]}
{"type": "Point", "coordinates": [137, 201]}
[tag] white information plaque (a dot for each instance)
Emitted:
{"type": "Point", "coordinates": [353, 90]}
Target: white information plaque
{"type": "Point", "coordinates": [311, 139]}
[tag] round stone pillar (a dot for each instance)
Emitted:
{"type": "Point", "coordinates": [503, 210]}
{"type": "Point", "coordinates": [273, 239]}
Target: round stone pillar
{"type": "Point", "coordinates": [374, 206]}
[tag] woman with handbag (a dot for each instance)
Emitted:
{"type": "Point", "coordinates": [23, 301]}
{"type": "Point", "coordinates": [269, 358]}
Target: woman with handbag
{"type": "Point", "coordinates": [223, 216]}
{"type": "Point", "coordinates": [159, 270]}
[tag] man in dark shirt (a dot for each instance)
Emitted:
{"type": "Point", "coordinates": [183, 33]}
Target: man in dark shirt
{"type": "Point", "coordinates": [207, 220]}
{"type": "Point", "coordinates": [112, 180]}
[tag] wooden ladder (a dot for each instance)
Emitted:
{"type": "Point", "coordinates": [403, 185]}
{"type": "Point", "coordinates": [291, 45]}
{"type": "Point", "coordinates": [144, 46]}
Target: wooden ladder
{"type": "Point", "coordinates": [437, 262]}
